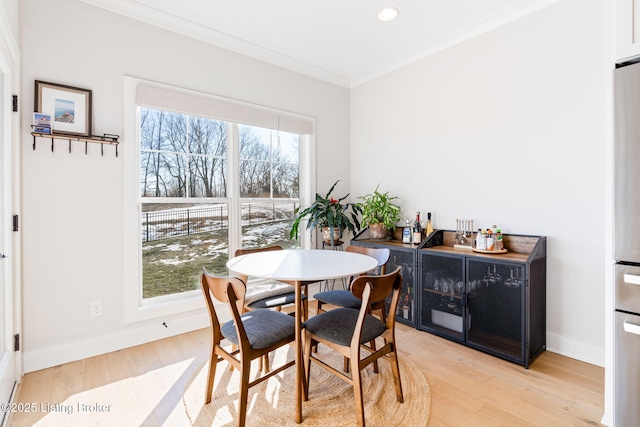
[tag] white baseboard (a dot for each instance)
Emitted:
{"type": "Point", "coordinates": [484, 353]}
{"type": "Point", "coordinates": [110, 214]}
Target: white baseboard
{"type": "Point", "coordinates": [579, 350]}
{"type": "Point", "coordinates": [53, 356]}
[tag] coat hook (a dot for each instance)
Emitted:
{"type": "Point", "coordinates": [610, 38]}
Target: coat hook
{"type": "Point", "coordinates": [85, 147]}
{"type": "Point", "coordinates": [34, 142]}
{"type": "Point", "coordinates": [52, 144]}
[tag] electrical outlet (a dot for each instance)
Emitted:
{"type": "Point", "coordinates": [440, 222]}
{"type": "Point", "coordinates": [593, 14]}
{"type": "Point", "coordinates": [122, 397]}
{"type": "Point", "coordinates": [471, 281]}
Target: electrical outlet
{"type": "Point", "coordinates": [96, 309]}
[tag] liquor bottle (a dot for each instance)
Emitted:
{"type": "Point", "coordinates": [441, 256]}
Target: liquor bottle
{"type": "Point", "coordinates": [429, 226]}
{"type": "Point", "coordinates": [417, 230]}
{"type": "Point", "coordinates": [406, 232]}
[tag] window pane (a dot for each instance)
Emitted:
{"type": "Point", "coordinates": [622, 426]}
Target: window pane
{"type": "Point", "coordinates": [255, 178]}
{"type": "Point", "coordinates": [269, 163]}
{"type": "Point", "coordinates": [162, 174]}
{"type": "Point", "coordinates": [207, 136]}
{"type": "Point", "coordinates": [255, 143]}
{"type": "Point", "coordinates": [286, 183]}
{"type": "Point", "coordinates": [287, 148]}
{"type": "Point", "coordinates": [162, 130]}
{"type": "Point", "coordinates": [268, 223]}
{"type": "Point", "coordinates": [207, 176]}
{"type": "Point", "coordinates": [177, 241]}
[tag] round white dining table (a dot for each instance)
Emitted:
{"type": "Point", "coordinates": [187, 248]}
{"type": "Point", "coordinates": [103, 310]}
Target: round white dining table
{"type": "Point", "coordinates": [300, 267]}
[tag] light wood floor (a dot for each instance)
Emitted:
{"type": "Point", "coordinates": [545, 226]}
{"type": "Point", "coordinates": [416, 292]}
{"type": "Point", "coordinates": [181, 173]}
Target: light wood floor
{"type": "Point", "coordinates": [143, 386]}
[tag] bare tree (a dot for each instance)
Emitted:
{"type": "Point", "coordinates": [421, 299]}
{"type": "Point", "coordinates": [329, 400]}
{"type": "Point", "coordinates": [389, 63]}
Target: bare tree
{"type": "Point", "coordinates": [186, 155]}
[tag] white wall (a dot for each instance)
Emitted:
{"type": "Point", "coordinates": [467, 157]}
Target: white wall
{"type": "Point", "coordinates": [507, 129]}
{"type": "Point", "coordinates": [73, 205]}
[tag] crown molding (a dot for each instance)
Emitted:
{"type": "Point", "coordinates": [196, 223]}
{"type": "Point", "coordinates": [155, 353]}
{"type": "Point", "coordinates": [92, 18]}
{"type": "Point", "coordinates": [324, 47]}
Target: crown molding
{"type": "Point", "coordinates": [191, 29]}
{"type": "Point", "coordinates": [169, 22]}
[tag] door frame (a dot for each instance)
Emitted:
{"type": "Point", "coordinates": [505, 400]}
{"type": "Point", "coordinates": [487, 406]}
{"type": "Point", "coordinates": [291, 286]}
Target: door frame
{"type": "Point", "coordinates": [10, 80]}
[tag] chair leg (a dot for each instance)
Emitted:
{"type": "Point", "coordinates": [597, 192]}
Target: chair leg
{"type": "Point", "coordinates": [395, 369]}
{"type": "Point", "coordinates": [357, 390]}
{"type": "Point", "coordinates": [244, 391]}
{"type": "Point", "coordinates": [264, 360]}
{"type": "Point", "coordinates": [233, 348]}
{"type": "Point", "coordinates": [213, 362]}
{"type": "Point", "coordinates": [375, 362]}
{"type": "Point", "coordinates": [307, 363]}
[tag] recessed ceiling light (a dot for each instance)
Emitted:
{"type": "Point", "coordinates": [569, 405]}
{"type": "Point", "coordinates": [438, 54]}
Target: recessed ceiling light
{"type": "Point", "coordinates": [388, 14]}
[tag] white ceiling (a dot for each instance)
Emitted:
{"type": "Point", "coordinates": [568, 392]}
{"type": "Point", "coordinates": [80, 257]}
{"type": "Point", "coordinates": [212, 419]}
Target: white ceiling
{"type": "Point", "coordinates": [339, 41]}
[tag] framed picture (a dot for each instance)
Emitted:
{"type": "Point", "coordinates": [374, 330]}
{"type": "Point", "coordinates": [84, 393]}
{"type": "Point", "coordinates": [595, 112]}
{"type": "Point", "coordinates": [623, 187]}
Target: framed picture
{"type": "Point", "coordinates": [41, 123]}
{"type": "Point", "coordinates": [69, 108]}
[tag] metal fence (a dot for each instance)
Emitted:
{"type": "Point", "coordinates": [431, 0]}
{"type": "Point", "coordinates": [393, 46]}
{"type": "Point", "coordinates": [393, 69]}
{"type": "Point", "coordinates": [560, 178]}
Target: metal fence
{"type": "Point", "coordinates": [183, 222]}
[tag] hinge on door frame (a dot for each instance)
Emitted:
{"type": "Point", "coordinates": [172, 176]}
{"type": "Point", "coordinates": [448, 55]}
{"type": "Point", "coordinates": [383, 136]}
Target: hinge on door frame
{"type": "Point", "coordinates": [16, 342]}
{"type": "Point", "coordinates": [15, 103]}
{"type": "Point", "coordinates": [15, 223]}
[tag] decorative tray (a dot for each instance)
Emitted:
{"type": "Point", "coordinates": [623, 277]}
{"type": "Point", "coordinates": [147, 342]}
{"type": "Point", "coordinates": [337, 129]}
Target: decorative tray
{"type": "Point", "coordinates": [481, 251]}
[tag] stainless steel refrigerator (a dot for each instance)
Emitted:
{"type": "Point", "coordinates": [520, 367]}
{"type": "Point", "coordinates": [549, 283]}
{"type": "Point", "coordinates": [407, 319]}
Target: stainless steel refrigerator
{"type": "Point", "coordinates": [626, 214]}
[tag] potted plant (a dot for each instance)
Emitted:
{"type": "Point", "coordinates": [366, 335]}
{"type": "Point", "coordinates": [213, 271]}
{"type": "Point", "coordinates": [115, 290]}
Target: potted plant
{"type": "Point", "coordinates": [379, 213]}
{"type": "Point", "coordinates": [330, 215]}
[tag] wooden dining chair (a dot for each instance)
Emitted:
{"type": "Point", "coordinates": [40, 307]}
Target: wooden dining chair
{"type": "Point", "coordinates": [254, 333]}
{"type": "Point", "coordinates": [347, 330]}
{"type": "Point", "coordinates": [344, 298]}
{"type": "Point", "coordinates": [274, 294]}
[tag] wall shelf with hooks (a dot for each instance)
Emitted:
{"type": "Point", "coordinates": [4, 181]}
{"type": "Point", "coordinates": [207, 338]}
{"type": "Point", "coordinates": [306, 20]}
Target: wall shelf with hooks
{"type": "Point", "coordinates": [106, 139]}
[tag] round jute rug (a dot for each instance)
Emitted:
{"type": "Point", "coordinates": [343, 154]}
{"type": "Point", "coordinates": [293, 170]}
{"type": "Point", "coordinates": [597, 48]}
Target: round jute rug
{"type": "Point", "coordinates": [331, 401]}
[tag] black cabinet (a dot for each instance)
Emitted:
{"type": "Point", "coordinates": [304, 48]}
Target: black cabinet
{"type": "Point", "coordinates": [494, 303]}
{"type": "Point", "coordinates": [442, 307]}
{"type": "Point", "coordinates": [401, 255]}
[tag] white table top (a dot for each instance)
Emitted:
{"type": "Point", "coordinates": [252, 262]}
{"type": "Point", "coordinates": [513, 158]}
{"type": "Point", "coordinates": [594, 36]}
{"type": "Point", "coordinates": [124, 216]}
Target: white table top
{"type": "Point", "coordinates": [302, 265]}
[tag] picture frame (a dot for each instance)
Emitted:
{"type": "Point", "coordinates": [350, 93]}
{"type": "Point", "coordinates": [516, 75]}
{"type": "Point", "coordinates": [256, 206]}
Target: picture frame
{"type": "Point", "coordinates": [41, 123]}
{"type": "Point", "coordinates": [68, 106]}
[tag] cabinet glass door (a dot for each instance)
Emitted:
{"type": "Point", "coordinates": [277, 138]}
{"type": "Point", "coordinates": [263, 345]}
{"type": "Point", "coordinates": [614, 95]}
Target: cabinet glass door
{"type": "Point", "coordinates": [442, 310]}
{"type": "Point", "coordinates": [406, 310]}
{"type": "Point", "coordinates": [495, 298]}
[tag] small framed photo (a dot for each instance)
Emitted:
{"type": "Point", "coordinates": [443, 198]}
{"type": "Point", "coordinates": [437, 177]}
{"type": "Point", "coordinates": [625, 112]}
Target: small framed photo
{"type": "Point", "coordinates": [41, 123]}
{"type": "Point", "coordinates": [69, 108]}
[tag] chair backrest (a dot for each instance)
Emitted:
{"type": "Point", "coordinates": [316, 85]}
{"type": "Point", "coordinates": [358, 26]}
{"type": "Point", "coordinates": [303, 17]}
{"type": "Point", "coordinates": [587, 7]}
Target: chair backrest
{"type": "Point", "coordinates": [380, 254]}
{"type": "Point", "coordinates": [244, 251]}
{"type": "Point", "coordinates": [218, 286]}
{"type": "Point", "coordinates": [381, 287]}
{"type": "Point", "coordinates": [372, 289]}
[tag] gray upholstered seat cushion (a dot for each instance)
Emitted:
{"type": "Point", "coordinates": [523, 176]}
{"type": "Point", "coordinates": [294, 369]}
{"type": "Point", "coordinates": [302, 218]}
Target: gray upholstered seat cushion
{"type": "Point", "coordinates": [275, 301]}
{"type": "Point", "coordinates": [337, 326]}
{"type": "Point", "coordinates": [265, 290]}
{"type": "Point", "coordinates": [263, 327]}
{"type": "Point", "coordinates": [341, 298]}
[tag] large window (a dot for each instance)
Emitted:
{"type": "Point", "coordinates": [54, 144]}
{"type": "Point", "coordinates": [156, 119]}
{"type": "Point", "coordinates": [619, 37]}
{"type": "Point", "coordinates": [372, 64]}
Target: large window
{"type": "Point", "coordinates": [212, 176]}
{"type": "Point", "coordinates": [182, 162]}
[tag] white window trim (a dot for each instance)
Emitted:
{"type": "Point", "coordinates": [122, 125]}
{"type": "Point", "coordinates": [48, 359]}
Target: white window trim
{"type": "Point", "coordinates": [135, 309]}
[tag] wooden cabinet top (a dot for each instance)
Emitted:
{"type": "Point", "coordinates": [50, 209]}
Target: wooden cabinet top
{"type": "Point", "coordinates": [520, 248]}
